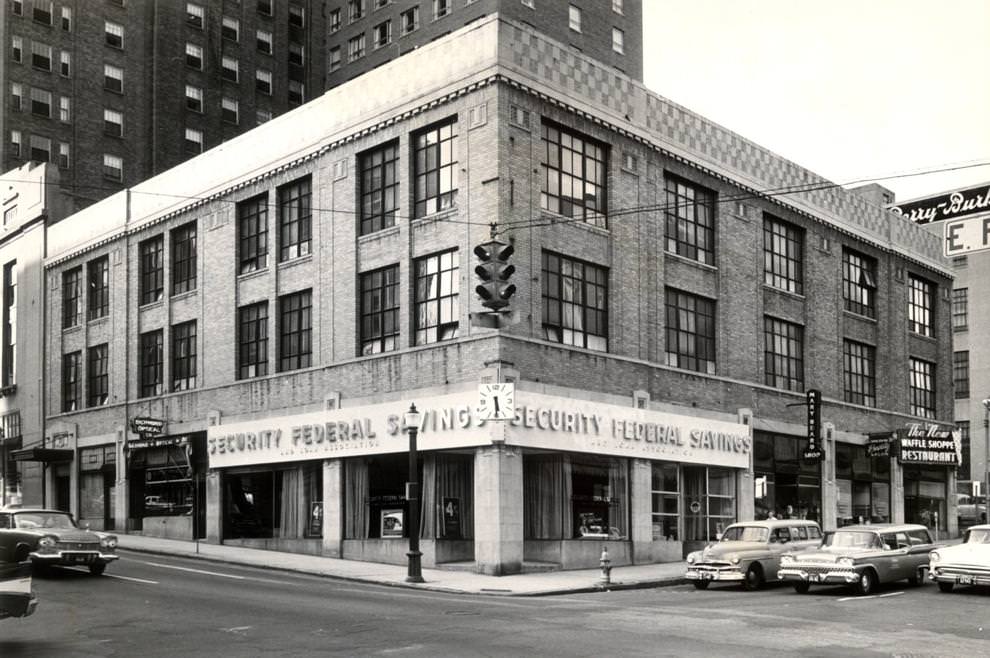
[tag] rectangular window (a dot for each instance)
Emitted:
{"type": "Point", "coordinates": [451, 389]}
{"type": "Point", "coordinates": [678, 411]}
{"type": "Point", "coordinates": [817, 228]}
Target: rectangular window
{"type": "Point", "coordinates": [252, 229]}
{"type": "Point", "coordinates": [41, 56]}
{"type": "Point", "coordinates": [435, 168]}
{"type": "Point", "coordinates": [113, 78]}
{"type": "Point", "coordinates": [41, 102]}
{"type": "Point", "coordinates": [97, 375]}
{"type": "Point", "coordinates": [152, 267]}
{"type": "Point", "coordinates": [252, 341]}
{"type": "Point", "coordinates": [229, 69]}
{"type": "Point", "coordinates": [921, 305]}
{"type": "Point", "coordinates": [618, 41]}
{"type": "Point", "coordinates": [230, 110]}
{"type": "Point", "coordinates": [960, 374]}
{"type": "Point", "coordinates": [666, 489]}
{"type": "Point", "coordinates": [194, 98]}
{"type": "Point", "coordinates": [297, 16]}
{"type": "Point", "coordinates": [859, 283]}
{"type": "Point", "coordinates": [98, 281]}
{"type": "Point", "coordinates": [575, 302]}
{"type": "Point", "coordinates": [922, 388]}
{"type": "Point", "coordinates": [15, 144]}
{"type": "Point", "coordinates": [297, 92]}
{"type": "Point", "coordinates": [295, 326]}
{"type": "Point", "coordinates": [440, 8]}
{"type": "Point", "coordinates": [380, 310]}
{"type": "Point", "coordinates": [16, 96]}
{"type": "Point", "coordinates": [64, 159]}
{"type": "Point", "coordinates": [9, 323]}
{"type": "Point", "coordinates": [355, 47]}
{"type": "Point", "coordinates": [16, 48]}
{"type": "Point", "coordinates": [263, 81]}
{"type": "Point", "coordinates": [783, 354]}
{"type": "Point", "coordinates": [194, 15]}
{"type": "Point", "coordinates": [265, 7]}
{"type": "Point", "coordinates": [437, 298]}
{"type": "Point", "coordinates": [151, 364]}
{"type": "Point", "coordinates": [783, 255]}
{"type": "Point", "coordinates": [64, 109]}
{"type": "Point", "coordinates": [194, 141]}
{"type": "Point", "coordinates": [334, 59]}
{"type": "Point", "coordinates": [184, 258]}
{"type": "Point", "coordinates": [264, 41]}
{"type": "Point", "coordinates": [71, 381]}
{"type": "Point", "coordinates": [382, 34]}
{"type": "Point", "coordinates": [574, 170]}
{"type": "Point", "coordinates": [297, 53]}
{"type": "Point", "coordinates": [184, 356]}
{"type": "Point", "coordinates": [230, 28]}
{"type": "Point", "coordinates": [410, 20]}
{"type": "Point", "coordinates": [355, 10]}
{"type": "Point", "coordinates": [859, 373]}
{"type": "Point", "coordinates": [113, 34]}
{"type": "Point", "coordinates": [294, 219]}
{"type": "Point", "coordinates": [113, 123]}
{"type": "Point", "coordinates": [71, 297]}
{"type": "Point", "coordinates": [194, 56]}
{"type": "Point", "coordinates": [617, 6]}
{"type": "Point", "coordinates": [43, 11]}
{"type": "Point", "coordinates": [574, 18]}
{"type": "Point", "coordinates": [690, 220]}
{"type": "Point", "coordinates": [333, 20]}
{"type": "Point", "coordinates": [113, 167]}
{"type": "Point", "coordinates": [379, 187]}
{"type": "Point", "coordinates": [960, 309]}
{"type": "Point", "coordinates": [964, 466]}
{"type": "Point", "coordinates": [261, 116]}
{"type": "Point", "coordinates": [41, 148]}
{"type": "Point", "coordinates": [65, 63]}
{"type": "Point", "coordinates": [690, 331]}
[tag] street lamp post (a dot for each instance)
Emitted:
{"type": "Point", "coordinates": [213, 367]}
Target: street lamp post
{"type": "Point", "coordinates": [415, 573]}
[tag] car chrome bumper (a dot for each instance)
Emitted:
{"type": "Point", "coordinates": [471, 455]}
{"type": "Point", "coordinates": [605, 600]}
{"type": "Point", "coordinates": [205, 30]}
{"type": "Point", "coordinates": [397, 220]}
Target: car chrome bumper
{"type": "Point", "coordinates": [834, 577]}
{"type": "Point", "coordinates": [73, 557]}
{"type": "Point", "coordinates": [937, 575]}
{"type": "Point", "coordinates": [711, 574]}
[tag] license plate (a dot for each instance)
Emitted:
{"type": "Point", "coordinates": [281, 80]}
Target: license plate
{"type": "Point", "coordinates": [705, 575]}
{"type": "Point", "coordinates": [79, 559]}
{"type": "Point", "coordinates": [814, 578]}
{"type": "Point", "coordinates": [964, 580]}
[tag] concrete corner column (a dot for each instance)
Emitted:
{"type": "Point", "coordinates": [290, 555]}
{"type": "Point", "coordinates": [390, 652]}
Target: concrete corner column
{"type": "Point", "coordinates": [896, 491]}
{"type": "Point", "coordinates": [214, 509]}
{"type": "Point", "coordinates": [829, 517]}
{"type": "Point", "coordinates": [333, 507]}
{"type": "Point", "coordinates": [121, 506]}
{"type": "Point", "coordinates": [498, 510]}
{"type": "Point", "coordinates": [641, 509]}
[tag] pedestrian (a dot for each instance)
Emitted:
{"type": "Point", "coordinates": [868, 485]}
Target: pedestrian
{"type": "Point", "coordinates": [772, 516]}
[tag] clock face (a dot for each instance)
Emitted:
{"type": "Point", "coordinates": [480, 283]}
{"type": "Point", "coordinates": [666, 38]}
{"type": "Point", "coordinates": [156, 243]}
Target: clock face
{"type": "Point", "coordinates": [496, 401]}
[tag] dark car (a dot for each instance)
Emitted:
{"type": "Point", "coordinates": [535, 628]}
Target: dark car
{"type": "Point", "coordinates": [60, 541]}
{"type": "Point", "coordinates": [17, 597]}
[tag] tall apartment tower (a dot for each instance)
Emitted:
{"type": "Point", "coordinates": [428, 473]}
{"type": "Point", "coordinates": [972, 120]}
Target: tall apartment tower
{"type": "Point", "coordinates": [367, 33]}
{"type": "Point", "coordinates": [114, 91]}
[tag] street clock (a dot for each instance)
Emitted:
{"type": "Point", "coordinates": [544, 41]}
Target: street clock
{"type": "Point", "coordinates": [497, 401]}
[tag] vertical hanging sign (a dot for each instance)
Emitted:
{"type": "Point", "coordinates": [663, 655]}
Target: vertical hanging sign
{"type": "Point", "coordinates": [814, 450]}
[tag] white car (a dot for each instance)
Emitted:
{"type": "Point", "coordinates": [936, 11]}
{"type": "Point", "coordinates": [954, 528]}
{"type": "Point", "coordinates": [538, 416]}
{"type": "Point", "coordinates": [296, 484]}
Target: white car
{"type": "Point", "coordinates": [967, 563]}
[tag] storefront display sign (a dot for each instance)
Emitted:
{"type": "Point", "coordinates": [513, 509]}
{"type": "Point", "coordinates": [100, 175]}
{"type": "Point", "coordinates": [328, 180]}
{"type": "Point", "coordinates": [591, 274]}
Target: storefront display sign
{"type": "Point", "coordinates": [147, 426]}
{"type": "Point", "coordinates": [158, 442]}
{"type": "Point", "coordinates": [946, 206]}
{"type": "Point", "coordinates": [927, 443]}
{"type": "Point", "coordinates": [451, 517]}
{"type": "Point", "coordinates": [879, 444]}
{"type": "Point", "coordinates": [393, 521]}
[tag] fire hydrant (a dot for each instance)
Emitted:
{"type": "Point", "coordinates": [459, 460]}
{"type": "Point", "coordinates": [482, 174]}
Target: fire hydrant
{"type": "Point", "coordinates": [606, 567]}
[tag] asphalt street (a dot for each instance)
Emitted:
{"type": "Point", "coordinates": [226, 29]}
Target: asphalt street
{"type": "Point", "coordinates": [150, 605]}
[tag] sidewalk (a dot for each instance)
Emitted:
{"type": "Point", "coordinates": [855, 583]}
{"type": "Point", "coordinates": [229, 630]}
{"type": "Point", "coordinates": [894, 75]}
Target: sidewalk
{"type": "Point", "coordinates": [441, 580]}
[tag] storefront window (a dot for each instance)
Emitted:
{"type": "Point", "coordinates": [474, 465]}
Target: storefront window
{"type": "Point", "coordinates": [97, 477]}
{"type": "Point", "coordinates": [710, 495]}
{"type": "Point", "coordinates": [666, 501]}
{"type": "Point", "coordinates": [284, 503]}
{"type": "Point", "coordinates": [924, 496]}
{"type": "Point", "coordinates": [785, 483]}
{"type": "Point", "coordinates": [862, 486]}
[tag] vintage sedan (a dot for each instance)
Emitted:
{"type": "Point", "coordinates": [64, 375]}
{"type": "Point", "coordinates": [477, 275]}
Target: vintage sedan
{"type": "Point", "coordinates": [17, 597]}
{"type": "Point", "coordinates": [862, 556]}
{"type": "Point", "coordinates": [967, 563]}
{"type": "Point", "coordinates": [749, 552]}
{"type": "Point", "coordinates": [60, 540]}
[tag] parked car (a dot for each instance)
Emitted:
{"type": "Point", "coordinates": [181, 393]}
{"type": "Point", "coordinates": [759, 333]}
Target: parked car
{"type": "Point", "coordinates": [60, 541]}
{"type": "Point", "coordinates": [971, 510]}
{"type": "Point", "coordinates": [862, 556]}
{"type": "Point", "coordinates": [967, 563]}
{"type": "Point", "coordinates": [749, 552]}
{"type": "Point", "coordinates": [17, 596]}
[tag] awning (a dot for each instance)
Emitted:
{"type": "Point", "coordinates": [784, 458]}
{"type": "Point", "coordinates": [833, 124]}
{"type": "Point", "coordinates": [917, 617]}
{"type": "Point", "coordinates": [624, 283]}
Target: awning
{"type": "Point", "coordinates": [42, 455]}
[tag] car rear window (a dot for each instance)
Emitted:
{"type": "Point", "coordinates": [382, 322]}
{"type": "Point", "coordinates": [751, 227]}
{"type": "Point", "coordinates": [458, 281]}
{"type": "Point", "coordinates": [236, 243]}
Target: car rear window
{"type": "Point", "coordinates": [919, 536]}
{"type": "Point", "coordinates": [799, 533]}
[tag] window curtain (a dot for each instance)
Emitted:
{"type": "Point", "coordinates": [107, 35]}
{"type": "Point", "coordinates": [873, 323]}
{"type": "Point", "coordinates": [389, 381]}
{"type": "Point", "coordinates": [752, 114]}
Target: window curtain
{"type": "Point", "coordinates": [356, 499]}
{"type": "Point", "coordinates": [547, 497]}
{"type": "Point", "coordinates": [428, 510]}
{"type": "Point", "coordinates": [618, 507]}
{"type": "Point", "coordinates": [454, 475]}
{"type": "Point", "coordinates": [290, 510]}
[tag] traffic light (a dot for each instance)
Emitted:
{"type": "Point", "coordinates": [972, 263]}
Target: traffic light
{"type": "Point", "coordinates": [494, 272]}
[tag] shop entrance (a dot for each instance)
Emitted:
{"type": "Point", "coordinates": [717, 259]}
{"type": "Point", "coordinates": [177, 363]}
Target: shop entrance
{"type": "Point", "coordinates": [785, 484]}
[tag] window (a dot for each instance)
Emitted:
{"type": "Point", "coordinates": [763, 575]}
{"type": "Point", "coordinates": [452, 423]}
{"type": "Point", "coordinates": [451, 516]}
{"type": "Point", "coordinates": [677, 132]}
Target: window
{"type": "Point", "coordinates": [617, 6]}
{"type": "Point", "coordinates": [437, 305]}
{"type": "Point", "coordinates": [41, 148]}
{"type": "Point", "coordinates": [263, 81]}
{"type": "Point", "coordinates": [859, 283]}
{"type": "Point", "coordinates": [194, 15]}
{"type": "Point", "coordinates": [355, 48]}
{"type": "Point", "coordinates": [618, 41]}
{"type": "Point", "coordinates": [184, 258]}
{"type": "Point", "coordinates": [194, 98]}
{"type": "Point", "coordinates": [783, 354]}
{"type": "Point", "coordinates": [97, 375]}
{"type": "Point", "coordinates": [333, 20]}
{"type": "Point", "coordinates": [230, 28]}
{"type": "Point", "coordinates": [16, 48]}
{"type": "Point", "coordinates": [64, 109]}
{"type": "Point", "coordinates": [334, 58]}
{"type": "Point", "coordinates": [15, 144]}
{"type": "Point", "coordinates": [574, 18]}
{"type": "Point", "coordinates": [17, 7]}
{"type": "Point", "coordinates": [574, 172]}
{"type": "Point", "coordinates": [297, 16]}
{"type": "Point", "coordinates": [230, 110]}
{"type": "Point", "coordinates": [98, 280]}
{"type": "Point", "coordinates": [666, 500]}
{"type": "Point", "coordinates": [265, 7]}
{"type": "Point", "coordinates": [382, 34]}
{"type": "Point", "coordinates": [152, 269]}
{"type": "Point", "coordinates": [9, 322]}
{"type": "Point", "coordinates": [194, 56]}
{"type": "Point", "coordinates": [690, 220]}
{"type": "Point", "coordinates": [355, 10]}
{"type": "Point", "coordinates": [71, 297]}
{"type": "Point", "coordinates": [64, 159]}
{"type": "Point", "coordinates": [41, 102]}
{"type": "Point", "coordinates": [43, 12]}
{"type": "Point", "coordinates": [440, 8]}
{"type": "Point", "coordinates": [297, 54]}
{"type": "Point", "coordinates": [184, 356]}
{"type": "Point", "coordinates": [229, 69]}
{"type": "Point", "coordinates": [690, 331]}
{"type": "Point", "coordinates": [859, 373]}
{"type": "Point", "coordinates": [252, 341]}
{"type": "Point", "coordinates": [960, 309]}
{"type": "Point", "coordinates": [113, 123]}
{"type": "Point", "coordinates": [783, 255]}
{"type": "Point", "coordinates": [297, 92]}
{"type": "Point", "coordinates": [113, 34]}
{"type": "Point", "coordinates": [435, 168]}
{"type": "Point", "coordinates": [294, 219]}
{"type": "Point", "coordinates": [65, 63]}
{"type": "Point", "coordinates": [410, 20]}
{"type": "Point", "coordinates": [151, 364]}
{"type": "Point", "coordinates": [529, 3]}
{"type": "Point", "coordinates": [960, 374]}
{"type": "Point", "coordinates": [264, 41]}
{"type": "Point", "coordinates": [113, 167]}
{"type": "Point", "coordinates": [71, 381]}
{"type": "Point", "coordinates": [194, 141]}
{"type": "Point", "coordinates": [575, 302]}
{"type": "Point", "coordinates": [921, 304]}
{"type": "Point", "coordinates": [295, 330]}
{"type": "Point", "coordinates": [41, 56]}
{"type": "Point", "coordinates": [380, 310]}
{"type": "Point", "coordinates": [252, 229]}
{"type": "Point", "coordinates": [964, 465]}
{"type": "Point", "coordinates": [16, 95]}
{"type": "Point", "coordinates": [113, 78]}
{"type": "Point", "coordinates": [261, 116]}
{"type": "Point", "coordinates": [379, 188]}
{"type": "Point", "coordinates": [922, 388]}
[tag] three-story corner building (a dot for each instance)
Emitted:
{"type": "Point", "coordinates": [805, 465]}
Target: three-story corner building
{"type": "Point", "coordinates": [235, 341]}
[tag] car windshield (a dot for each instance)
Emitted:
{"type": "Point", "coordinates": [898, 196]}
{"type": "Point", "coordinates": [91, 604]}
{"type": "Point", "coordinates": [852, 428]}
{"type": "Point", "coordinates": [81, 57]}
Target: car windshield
{"type": "Point", "coordinates": [41, 520]}
{"type": "Point", "coordinates": [745, 533]}
{"type": "Point", "coordinates": [852, 539]}
{"type": "Point", "coordinates": [978, 537]}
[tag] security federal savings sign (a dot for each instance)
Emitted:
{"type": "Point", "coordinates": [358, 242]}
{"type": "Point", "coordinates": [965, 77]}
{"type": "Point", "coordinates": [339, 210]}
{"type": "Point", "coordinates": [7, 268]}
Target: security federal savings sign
{"type": "Point", "coordinates": [453, 421]}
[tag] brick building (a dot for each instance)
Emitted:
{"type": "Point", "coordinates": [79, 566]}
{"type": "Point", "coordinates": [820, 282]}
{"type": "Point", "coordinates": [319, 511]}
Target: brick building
{"type": "Point", "coordinates": [276, 304]}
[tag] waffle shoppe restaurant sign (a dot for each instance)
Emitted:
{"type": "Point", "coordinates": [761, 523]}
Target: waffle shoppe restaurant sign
{"type": "Point", "coordinates": [925, 443]}
{"type": "Point", "coordinates": [453, 421]}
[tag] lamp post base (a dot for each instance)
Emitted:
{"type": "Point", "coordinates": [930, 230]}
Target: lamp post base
{"type": "Point", "coordinates": [415, 573]}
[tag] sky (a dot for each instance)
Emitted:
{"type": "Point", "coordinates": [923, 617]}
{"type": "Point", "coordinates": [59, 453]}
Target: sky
{"type": "Point", "coordinates": [850, 89]}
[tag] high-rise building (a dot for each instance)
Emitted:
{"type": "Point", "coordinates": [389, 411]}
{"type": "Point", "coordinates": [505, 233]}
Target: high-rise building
{"type": "Point", "coordinates": [112, 92]}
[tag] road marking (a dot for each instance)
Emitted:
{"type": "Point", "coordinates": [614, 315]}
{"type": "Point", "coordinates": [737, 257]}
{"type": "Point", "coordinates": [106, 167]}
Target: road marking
{"type": "Point", "coordinates": [111, 575]}
{"type": "Point", "coordinates": [202, 571]}
{"type": "Point", "coordinates": [867, 598]}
